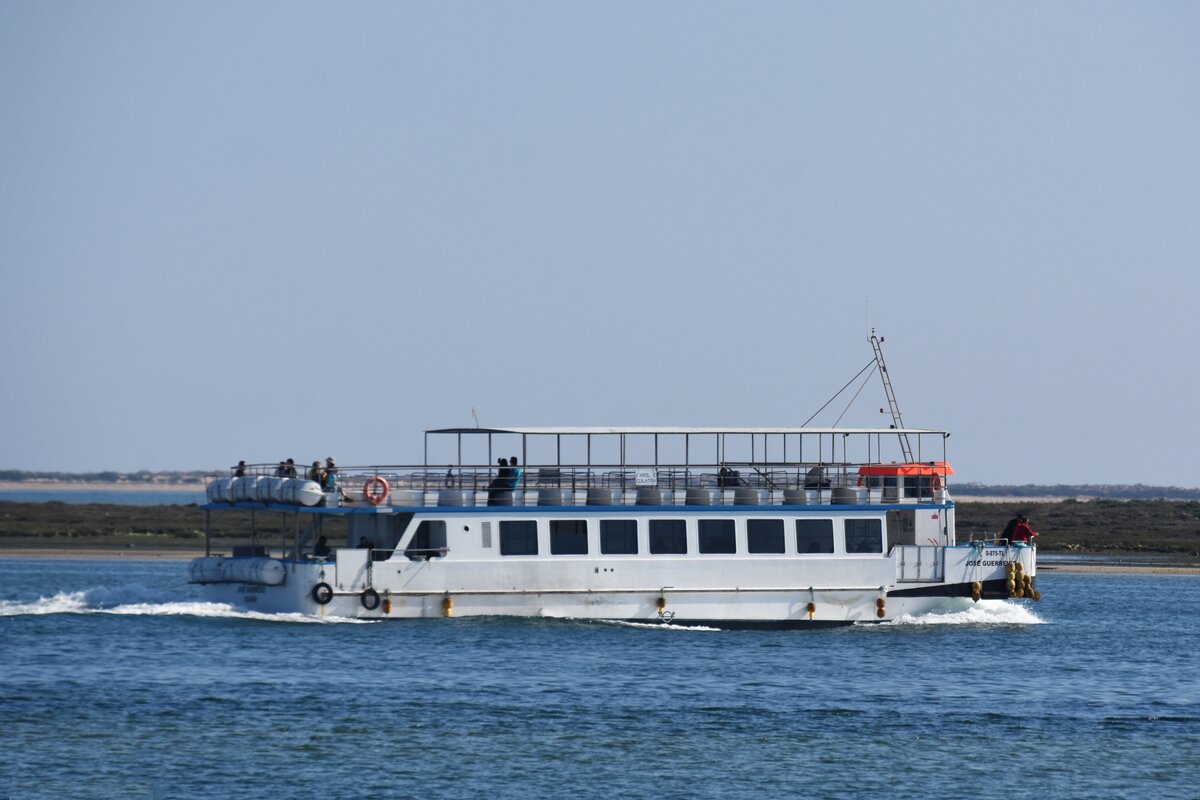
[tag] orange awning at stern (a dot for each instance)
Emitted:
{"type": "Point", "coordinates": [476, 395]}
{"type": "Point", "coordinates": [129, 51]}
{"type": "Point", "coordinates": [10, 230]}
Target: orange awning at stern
{"type": "Point", "coordinates": [896, 470]}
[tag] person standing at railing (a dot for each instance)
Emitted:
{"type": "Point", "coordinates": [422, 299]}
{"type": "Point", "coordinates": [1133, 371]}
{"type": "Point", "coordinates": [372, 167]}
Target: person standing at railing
{"type": "Point", "coordinates": [1022, 532]}
{"type": "Point", "coordinates": [331, 473]}
{"type": "Point", "coordinates": [514, 473]}
{"type": "Point", "coordinates": [316, 474]}
{"type": "Point", "coordinates": [500, 483]}
{"type": "Point", "coordinates": [240, 470]}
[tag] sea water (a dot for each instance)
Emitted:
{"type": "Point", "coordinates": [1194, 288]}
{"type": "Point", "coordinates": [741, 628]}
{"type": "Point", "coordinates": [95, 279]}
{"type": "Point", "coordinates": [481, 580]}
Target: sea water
{"type": "Point", "coordinates": [117, 681]}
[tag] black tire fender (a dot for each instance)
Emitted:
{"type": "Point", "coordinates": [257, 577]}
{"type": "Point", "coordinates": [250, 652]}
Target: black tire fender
{"type": "Point", "coordinates": [322, 593]}
{"type": "Point", "coordinates": [369, 599]}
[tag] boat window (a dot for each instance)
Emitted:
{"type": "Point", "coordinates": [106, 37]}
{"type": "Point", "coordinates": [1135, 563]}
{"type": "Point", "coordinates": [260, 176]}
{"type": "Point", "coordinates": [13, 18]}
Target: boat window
{"type": "Point", "coordinates": [668, 537]}
{"type": "Point", "coordinates": [814, 536]}
{"type": "Point", "coordinates": [428, 542]}
{"type": "Point", "coordinates": [518, 538]}
{"type": "Point", "coordinates": [716, 536]}
{"type": "Point", "coordinates": [568, 537]}
{"type": "Point", "coordinates": [864, 536]}
{"type": "Point", "coordinates": [764, 535]}
{"type": "Point", "coordinates": [618, 537]}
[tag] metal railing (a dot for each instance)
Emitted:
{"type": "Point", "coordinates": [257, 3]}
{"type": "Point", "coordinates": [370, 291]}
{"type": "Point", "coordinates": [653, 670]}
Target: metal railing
{"type": "Point", "coordinates": [738, 483]}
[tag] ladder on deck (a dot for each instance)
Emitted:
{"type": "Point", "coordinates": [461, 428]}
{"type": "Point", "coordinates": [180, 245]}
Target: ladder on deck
{"type": "Point", "coordinates": [897, 422]}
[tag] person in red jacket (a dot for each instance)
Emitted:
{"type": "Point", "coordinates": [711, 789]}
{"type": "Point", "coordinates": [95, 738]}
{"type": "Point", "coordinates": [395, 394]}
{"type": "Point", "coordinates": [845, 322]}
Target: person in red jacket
{"type": "Point", "coordinates": [1022, 532]}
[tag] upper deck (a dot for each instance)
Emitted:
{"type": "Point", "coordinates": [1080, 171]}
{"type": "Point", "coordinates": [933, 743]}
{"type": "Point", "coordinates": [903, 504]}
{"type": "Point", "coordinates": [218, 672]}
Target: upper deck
{"type": "Point", "coordinates": [628, 466]}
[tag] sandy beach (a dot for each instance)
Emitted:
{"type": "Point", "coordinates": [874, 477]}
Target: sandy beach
{"type": "Point", "coordinates": [1121, 569]}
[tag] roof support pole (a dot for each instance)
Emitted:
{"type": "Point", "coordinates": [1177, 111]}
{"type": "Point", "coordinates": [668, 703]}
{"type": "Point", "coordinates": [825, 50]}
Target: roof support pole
{"type": "Point", "coordinates": [622, 462]}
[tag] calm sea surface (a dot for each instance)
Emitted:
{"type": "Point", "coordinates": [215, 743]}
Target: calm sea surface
{"type": "Point", "coordinates": [117, 682]}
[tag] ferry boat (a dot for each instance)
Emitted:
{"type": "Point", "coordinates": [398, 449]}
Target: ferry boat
{"type": "Point", "coordinates": [724, 527]}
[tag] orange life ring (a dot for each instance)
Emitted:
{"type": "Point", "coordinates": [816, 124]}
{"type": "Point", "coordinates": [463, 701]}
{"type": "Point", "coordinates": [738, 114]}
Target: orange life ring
{"type": "Point", "coordinates": [375, 490]}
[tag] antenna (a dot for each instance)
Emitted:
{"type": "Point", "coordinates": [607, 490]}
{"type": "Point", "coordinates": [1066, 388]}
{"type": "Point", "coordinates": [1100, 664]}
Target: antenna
{"type": "Point", "coordinates": [476, 416]}
{"type": "Point", "coordinates": [897, 421]}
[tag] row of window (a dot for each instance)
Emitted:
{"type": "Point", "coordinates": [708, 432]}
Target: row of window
{"type": "Point", "coordinates": [669, 536]}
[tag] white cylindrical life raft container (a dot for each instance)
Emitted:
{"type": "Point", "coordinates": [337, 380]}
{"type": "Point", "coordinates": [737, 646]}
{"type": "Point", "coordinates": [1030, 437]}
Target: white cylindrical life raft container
{"type": "Point", "coordinates": [263, 489]}
{"type": "Point", "coordinates": [205, 569]}
{"type": "Point", "coordinates": [258, 570]}
{"type": "Point", "coordinates": [301, 492]}
{"type": "Point", "coordinates": [220, 491]}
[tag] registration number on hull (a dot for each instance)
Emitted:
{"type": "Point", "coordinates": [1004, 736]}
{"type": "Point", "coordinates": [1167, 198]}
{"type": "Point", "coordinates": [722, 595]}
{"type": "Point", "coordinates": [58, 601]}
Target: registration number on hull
{"type": "Point", "coordinates": [991, 558]}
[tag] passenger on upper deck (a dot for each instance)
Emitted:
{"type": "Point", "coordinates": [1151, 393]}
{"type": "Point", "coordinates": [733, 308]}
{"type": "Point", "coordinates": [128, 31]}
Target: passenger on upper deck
{"type": "Point", "coordinates": [240, 470]}
{"type": "Point", "coordinates": [514, 473]}
{"type": "Point", "coordinates": [331, 472]}
{"type": "Point", "coordinates": [499, 484]}
{"type": "Point", "coordinates": [728, 478]}
{"type": "Point", "coordinates": [281, 470]}
{"type": "Point", "coordinates": [815, 478]}
{"type": "Point", "coordinates": [315, 473]}
{"type": "Point", "coordinates": [290, 466]}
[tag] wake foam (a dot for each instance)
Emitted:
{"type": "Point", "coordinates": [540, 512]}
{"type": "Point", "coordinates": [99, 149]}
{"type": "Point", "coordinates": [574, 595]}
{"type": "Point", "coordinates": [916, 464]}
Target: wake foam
{"type": "Point", "coordinates": [985, 612]}
{"type": "Point", "coordinates": [657, 626]}
{"type": "Point", "coordinates": [141, 601]}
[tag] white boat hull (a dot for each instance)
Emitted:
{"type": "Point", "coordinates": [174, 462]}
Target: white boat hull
{"type": "Point", "coordinates": [823, 591]}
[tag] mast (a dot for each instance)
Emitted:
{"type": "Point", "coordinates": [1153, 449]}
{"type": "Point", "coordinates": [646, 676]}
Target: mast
{"type": "Point", "coordinates": [897, 421]}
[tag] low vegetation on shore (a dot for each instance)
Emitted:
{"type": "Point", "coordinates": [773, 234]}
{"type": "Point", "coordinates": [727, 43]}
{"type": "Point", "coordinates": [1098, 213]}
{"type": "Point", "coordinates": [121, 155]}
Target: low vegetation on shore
{"type": "Point", "coordinates": [1096, 526]}
{"type": "Point", "coordinates": [1166, 527]}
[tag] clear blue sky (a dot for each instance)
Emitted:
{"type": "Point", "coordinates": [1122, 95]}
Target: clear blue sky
{"type": "Point", "coordinates": [261, 230]}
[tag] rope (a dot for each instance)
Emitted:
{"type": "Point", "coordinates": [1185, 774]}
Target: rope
{"type": "Point", "coordinates": [839, 391]}
{"type": "Point", "coordinates": [861, 386]}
